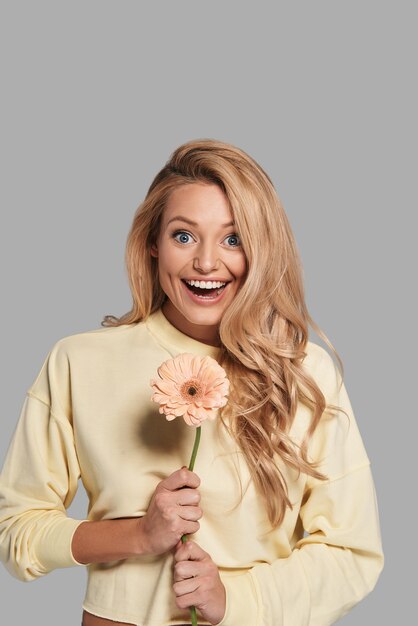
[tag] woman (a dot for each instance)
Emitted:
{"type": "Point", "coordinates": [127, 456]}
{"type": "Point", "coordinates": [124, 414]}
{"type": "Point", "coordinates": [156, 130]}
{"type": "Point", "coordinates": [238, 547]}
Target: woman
{"type": "Point", "coordinates": [281, 505]}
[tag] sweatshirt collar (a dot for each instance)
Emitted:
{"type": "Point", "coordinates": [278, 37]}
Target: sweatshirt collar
{"type": "Point", "coordinates": [169, 336]}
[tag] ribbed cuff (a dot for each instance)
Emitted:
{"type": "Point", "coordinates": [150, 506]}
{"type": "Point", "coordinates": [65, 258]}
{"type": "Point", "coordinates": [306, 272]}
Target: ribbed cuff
{"type": "Point", "coordinates": [54, 550]}
{"type": "Point", "coordinates": [242, 601]}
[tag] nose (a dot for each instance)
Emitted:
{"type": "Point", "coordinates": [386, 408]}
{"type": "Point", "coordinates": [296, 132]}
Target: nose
{"type": "Point", "coordinates": [207, 258]}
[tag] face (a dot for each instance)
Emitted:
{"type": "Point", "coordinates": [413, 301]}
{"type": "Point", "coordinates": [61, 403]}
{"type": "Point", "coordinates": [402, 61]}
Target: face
{"type": "Point", "coordinates": [201, 264]}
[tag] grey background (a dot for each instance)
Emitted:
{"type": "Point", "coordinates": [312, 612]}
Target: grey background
{"type": "Point", "coordinates": [96, 95]}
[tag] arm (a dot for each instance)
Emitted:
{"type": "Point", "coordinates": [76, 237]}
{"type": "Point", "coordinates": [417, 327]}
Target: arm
{"type": "Point", "coordinates": [38, 483]}
{"type": "Point", "coordinates": [172, 512]}
{"type": "Point", "coordinates": [339, 561]}
{"type": "Point", "coordinates": [40, 476]}
{"type": "Point", "coordinates": [331, 569]}
{"type": "Point", "coordinates": [39, 480]}
{"type": "Point", "coordinates": [327, 573]}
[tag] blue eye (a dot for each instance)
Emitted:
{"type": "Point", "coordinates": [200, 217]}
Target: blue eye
{"type": "Point", "coordinates": [233, 240]}
{"type": "Point", "coordinates": [181, 236]}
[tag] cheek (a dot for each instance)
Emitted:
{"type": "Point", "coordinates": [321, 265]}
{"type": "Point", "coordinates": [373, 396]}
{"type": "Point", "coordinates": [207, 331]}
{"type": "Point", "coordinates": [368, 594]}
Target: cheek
{"type": "Point", "coordinates": [241, 267]}
{"type": "Point", "coordinates": [168, 262]}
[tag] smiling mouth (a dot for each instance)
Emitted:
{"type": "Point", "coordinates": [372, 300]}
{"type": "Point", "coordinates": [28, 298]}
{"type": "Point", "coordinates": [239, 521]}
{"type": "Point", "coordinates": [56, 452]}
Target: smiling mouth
{"type": "Point", "coordinates": [205, 292]}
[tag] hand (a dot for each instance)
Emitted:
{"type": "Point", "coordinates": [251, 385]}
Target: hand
{"type": "Point", "coordinates": [173, 511]}
{"type": "Point", "coordinates": [197, 582]}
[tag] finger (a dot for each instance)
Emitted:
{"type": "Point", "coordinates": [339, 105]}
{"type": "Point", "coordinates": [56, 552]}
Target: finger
{"type": "Point", "coordinates": [189, 528]}
{"type": "Point", "coordinates": [188, 569]}
{"type": "Point", "coordinates": [187, 496]}
{"type": "Point", "coordinates": [181, 478]}
{"type": "Point", "coordinates": [187, 600]}
{"type": "Point", "coordinates": [185, 587]}
{"type": "Point", "coordinates": [189, 513]}
{"type": "Point", "coordinates": [190, 551]}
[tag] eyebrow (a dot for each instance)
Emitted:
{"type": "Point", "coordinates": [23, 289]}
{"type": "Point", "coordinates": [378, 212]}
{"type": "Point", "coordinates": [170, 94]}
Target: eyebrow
{"type": "Point", "coordinates": [181, 218]}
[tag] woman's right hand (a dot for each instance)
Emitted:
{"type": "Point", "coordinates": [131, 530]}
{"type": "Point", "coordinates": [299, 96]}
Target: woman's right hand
{"type": "Point", "coordinates": [173, 511]}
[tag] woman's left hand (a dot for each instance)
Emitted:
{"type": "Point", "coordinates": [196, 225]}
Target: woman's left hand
{"type": "Point", "coordinates": [197, 582]}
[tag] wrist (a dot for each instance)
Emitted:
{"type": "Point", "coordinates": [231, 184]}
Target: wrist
{"type": "Point", "coordinates": [140, 544]}
{"type": "Point", "coordinates": [218, 617]}
{"type": "Point", "coordinates": [103, 541]}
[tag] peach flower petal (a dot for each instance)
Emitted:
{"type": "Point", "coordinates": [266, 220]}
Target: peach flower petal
{"type": "Point", "coordinates": [190, 386]}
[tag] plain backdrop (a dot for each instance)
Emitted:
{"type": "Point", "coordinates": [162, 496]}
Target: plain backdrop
{"type": "Point", "coordinates": [95, 95]}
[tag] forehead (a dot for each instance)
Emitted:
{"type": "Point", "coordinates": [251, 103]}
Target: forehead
{"type": "Point", "coordinates": [199, 202]}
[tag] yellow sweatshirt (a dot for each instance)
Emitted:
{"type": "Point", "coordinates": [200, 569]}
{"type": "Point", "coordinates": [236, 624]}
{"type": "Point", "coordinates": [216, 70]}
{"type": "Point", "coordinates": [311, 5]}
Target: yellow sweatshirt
{"type": "Point", "coordinates": [89, 414]}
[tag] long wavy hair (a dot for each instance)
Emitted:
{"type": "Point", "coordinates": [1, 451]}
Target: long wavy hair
{"type": "Point", "coordinates": [264, 331]}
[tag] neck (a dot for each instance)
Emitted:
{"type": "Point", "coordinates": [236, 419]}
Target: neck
{"type": "Point", "coordinates": [205, 334]}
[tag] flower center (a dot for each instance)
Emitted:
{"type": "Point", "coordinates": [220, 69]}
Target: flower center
{"type": "Point", "coordinates": [191, 389]}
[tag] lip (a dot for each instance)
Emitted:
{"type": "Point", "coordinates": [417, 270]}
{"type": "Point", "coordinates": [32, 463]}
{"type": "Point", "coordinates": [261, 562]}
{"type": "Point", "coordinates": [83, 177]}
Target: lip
{"type": "Point", "coordinates": [207, 280]}
{"type": "Point", "coordinates": [204, 301]}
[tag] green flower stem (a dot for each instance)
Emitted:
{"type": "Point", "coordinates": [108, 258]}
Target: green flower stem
{"type": "Point", "coordinates": [184, 537]}
{"type": "Point", "coordinates": [195, 447]}
{"type": "Point", "coordinates": [193, 615]}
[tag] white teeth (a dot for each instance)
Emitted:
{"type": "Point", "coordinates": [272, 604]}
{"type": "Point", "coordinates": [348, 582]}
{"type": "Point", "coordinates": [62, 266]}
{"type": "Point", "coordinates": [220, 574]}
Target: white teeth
{"type": "Point", "coordinates": [210, 284]}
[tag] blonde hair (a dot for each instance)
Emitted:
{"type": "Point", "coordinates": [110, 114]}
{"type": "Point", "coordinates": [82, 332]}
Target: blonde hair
{"type": "Point", "coordinates": [264, 332]}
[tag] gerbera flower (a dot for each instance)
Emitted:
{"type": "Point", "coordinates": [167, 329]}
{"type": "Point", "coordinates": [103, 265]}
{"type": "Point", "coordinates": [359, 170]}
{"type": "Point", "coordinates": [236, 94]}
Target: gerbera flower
{"type": "Point", "coordinates": [190, 386]}
{"type": "Point", "coordinates": [194, 387]}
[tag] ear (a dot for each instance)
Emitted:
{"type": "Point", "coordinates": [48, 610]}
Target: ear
{"type": "Point", "coordinates": [154, 250]}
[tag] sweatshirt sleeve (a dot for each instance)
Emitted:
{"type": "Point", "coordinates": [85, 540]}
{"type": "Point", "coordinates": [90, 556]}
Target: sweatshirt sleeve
{"type": "Point", "coordinates": [338, 561]}
{"type": "Point", "coordinates": [39, 478]}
